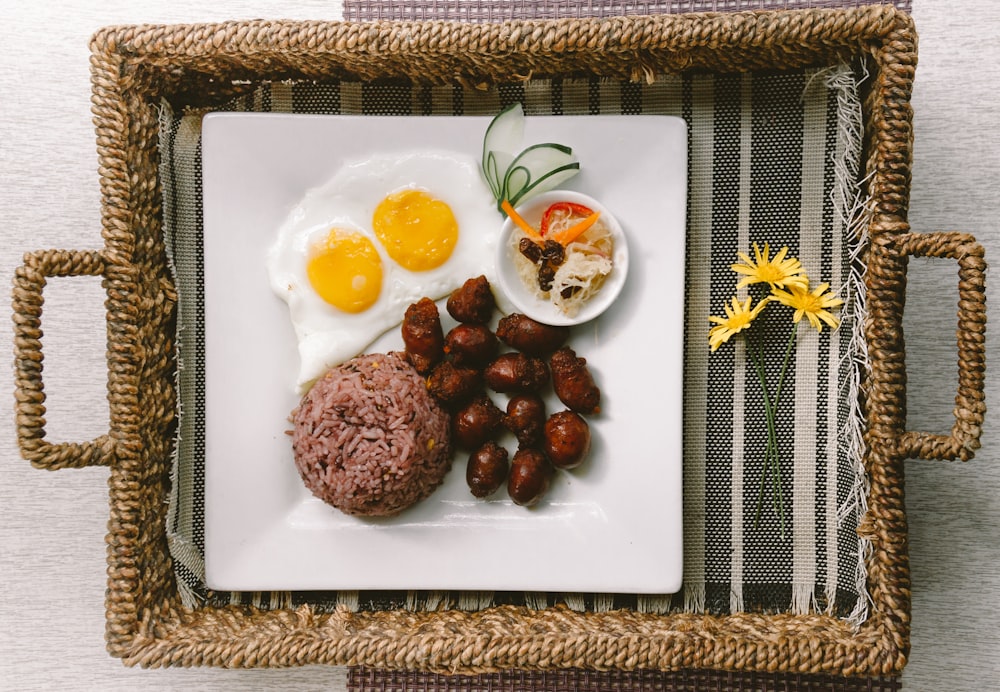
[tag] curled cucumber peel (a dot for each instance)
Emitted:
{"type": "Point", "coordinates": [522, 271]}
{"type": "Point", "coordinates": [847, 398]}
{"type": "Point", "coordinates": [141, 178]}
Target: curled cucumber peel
{"type": "Point", "coordinates": [536, 169]}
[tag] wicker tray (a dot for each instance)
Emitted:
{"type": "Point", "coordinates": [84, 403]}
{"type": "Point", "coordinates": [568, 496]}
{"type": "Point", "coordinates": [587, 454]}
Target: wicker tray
{"type": "Point", "coordinates": [134, 68]}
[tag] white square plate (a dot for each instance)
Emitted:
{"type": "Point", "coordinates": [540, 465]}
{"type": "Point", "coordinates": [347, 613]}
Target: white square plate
{"type": "Point", "coordinates": [612, 525]}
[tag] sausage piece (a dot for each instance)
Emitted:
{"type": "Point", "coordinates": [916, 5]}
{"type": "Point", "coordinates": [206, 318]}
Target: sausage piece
{"type": "Point", "coordinates": [567, 439]}
{"type": "Point", "coordinates": [472, 302]}
{"type": "Point", "coordinates": [573, 383]}
{"type": "Point", "coordinates": [525, 418]}
{"type": "Point", "coordinates": [531, 337]}
{"type": "Point", "coordinates": [452, 385]}
{"type": "Point", "coordinates": [471, 345]}
{"type": "Point", "coordinates": [474, 423]}
{"type": "Point", "coordinates": [423, 336]}
{"type": "Point", "coordinates": [516, 372]}
{"type": "Point", "coordinates": [530, 475]}
{"type": "Point", "coordinates": [487, 469]}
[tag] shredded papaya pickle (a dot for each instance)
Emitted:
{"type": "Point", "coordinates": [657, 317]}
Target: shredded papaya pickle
{"type": "Point", "coordinates": [557, 215]}
{"type": "Point", "coordinates": [567, 235]}
{"type": "Point", "coordinates": [560, 222]}
{"type": "Point", "coordinates": [567, 259]}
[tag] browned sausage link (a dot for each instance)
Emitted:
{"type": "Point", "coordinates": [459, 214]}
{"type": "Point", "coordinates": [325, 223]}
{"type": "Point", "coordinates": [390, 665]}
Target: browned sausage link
{"type": "Point", "coordinates": [573, 383]}
{"type": "Point", "coordinates": [472, 302]}
{"type": "Point", "coordinates": [487, 469]}
{"type": "Point", "coordinates": [475, 422]}
{"type": "Point", "coordinates": [422, 335]}
{"type": "Point", "coordinates": [530, 475]}
{"type": "Point", "coordinates": [452, 385]}
{"type": "Point", "coordinates": [471, 345]}
{"type": "Point", "coordinates": [516, 372]}
{"type": "Point", "coordinates": [525, 418]}
{"type": "Point", "coordinates": [567, 439]}
{"type": "Point", "coordinates": [531, 337]}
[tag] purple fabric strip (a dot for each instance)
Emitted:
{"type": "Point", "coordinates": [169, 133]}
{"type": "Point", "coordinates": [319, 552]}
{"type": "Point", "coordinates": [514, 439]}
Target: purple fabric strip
{"type": "Point", "coordinates": [501, 10]}
{"type": "Point", "coordinates": [363, 679]}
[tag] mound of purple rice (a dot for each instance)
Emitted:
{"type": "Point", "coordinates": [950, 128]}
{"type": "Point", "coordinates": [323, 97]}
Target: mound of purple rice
{"type": "Point", "coordinates": [369, 439]}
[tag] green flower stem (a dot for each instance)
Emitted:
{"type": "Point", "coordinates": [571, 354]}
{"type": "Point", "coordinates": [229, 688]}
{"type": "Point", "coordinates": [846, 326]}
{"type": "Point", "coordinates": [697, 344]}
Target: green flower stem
{"type": "Point", "coordinates": [760, 492]}
{"type": "Point", "coordinates": [784, 365]}
{"type": "Point", "coordinates": [772, 461]}
{"type": "Point", "coordinates": [772, 448]}
{"type": "Point", "coordinates": [771, 456]}
{"type": "Point", "coordinates": [779, 498]}
{"type": "Point", "coordinates": [763, 485]}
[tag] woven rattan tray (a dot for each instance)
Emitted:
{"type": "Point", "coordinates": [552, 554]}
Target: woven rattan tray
{"type": "Point", "coordinates": [136, 68]}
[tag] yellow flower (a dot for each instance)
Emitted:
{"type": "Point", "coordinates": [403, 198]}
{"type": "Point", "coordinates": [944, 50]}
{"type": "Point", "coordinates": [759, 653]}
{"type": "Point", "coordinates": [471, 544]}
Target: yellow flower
{"type": "Point", "coordinates": [738, 317]}
{"type": "Point", "coordinates": [776, 271]}
{"type": "Point", "coordinates": [814, 305]}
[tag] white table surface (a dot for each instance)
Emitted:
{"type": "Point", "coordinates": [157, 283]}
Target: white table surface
{"type": "Point", "coordinates": [53, 524]}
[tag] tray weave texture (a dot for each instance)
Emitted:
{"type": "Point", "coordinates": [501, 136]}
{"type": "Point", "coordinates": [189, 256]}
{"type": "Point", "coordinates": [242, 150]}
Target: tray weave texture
{"type": "Point", "coordinates": [135, 68]}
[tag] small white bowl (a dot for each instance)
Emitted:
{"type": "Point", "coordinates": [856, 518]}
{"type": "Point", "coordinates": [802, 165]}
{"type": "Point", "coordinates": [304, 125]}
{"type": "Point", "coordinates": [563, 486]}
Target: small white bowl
{"type": "Point", "coordinates": [545, 311]}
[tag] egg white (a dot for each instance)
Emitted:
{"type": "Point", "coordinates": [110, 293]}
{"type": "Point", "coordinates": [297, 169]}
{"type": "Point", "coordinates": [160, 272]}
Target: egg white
{"type": "Point", "coordinates": [327, 336]}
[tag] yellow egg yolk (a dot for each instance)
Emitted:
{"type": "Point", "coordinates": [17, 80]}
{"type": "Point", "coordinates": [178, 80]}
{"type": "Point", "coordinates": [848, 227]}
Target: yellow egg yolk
{"type": "Point", "coordinates": [346, 270]}
{"type": "Point", "coordinates": [417, 230]}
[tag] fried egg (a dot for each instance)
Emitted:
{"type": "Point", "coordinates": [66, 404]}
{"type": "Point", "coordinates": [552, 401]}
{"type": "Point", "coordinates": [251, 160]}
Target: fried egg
{"type": "Point", "coordinates": [383, 233]}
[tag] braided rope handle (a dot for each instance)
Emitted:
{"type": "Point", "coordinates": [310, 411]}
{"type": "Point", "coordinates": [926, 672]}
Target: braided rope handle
{"type": "Point", "coordinates": [970, 401]}
{"type": "Point", "coordinates": [29, 281]}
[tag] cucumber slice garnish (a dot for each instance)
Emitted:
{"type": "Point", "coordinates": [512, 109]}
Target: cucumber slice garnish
{"type": "Point", "coordinates": [538, 168]}
{"type": "Point", "coordinates": [503, 135]}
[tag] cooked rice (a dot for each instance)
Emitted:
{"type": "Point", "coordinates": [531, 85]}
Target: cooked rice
{"type": "Point", "coordinates": [369, 439]}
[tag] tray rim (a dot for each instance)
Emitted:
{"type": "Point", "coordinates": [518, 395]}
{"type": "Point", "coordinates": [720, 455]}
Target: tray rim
{"type": "Point", "coordinates": [139, 55]}
{"type": "Point", "coordinates": [134, 67]}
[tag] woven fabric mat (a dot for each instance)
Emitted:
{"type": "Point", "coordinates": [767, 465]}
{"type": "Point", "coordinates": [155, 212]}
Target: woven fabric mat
{"type": "Point", "coordinates": [500, 10]}
{"type": "Point", "coordinates": [773, 157]}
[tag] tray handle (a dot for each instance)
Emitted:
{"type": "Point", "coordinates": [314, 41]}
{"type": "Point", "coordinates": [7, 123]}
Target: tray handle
{"type": "Point", "coordinates": [29, 281]}
{"type": "Point", "coordinates": [970, 401]}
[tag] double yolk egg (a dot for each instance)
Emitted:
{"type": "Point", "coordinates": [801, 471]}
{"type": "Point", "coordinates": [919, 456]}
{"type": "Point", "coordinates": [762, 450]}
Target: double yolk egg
{"type": "Point", "coordinates": [384, 232]}
{"type": "Point", "coordinates": [417, 231]}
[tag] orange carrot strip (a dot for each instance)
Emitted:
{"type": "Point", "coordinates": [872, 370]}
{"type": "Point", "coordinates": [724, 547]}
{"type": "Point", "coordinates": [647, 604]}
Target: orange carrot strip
{"type": "Point", "coordinates": [568, 235]}
{"type": "Point", "coordinates": [521, 223]}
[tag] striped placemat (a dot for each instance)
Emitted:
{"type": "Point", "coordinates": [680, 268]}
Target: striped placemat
{"type": "Point", "coordinates": [772, 158]}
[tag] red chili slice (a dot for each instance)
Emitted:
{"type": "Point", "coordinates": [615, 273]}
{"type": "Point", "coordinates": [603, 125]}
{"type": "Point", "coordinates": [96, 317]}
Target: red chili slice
{"type": "Point", "coordinates": [568, 208]}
